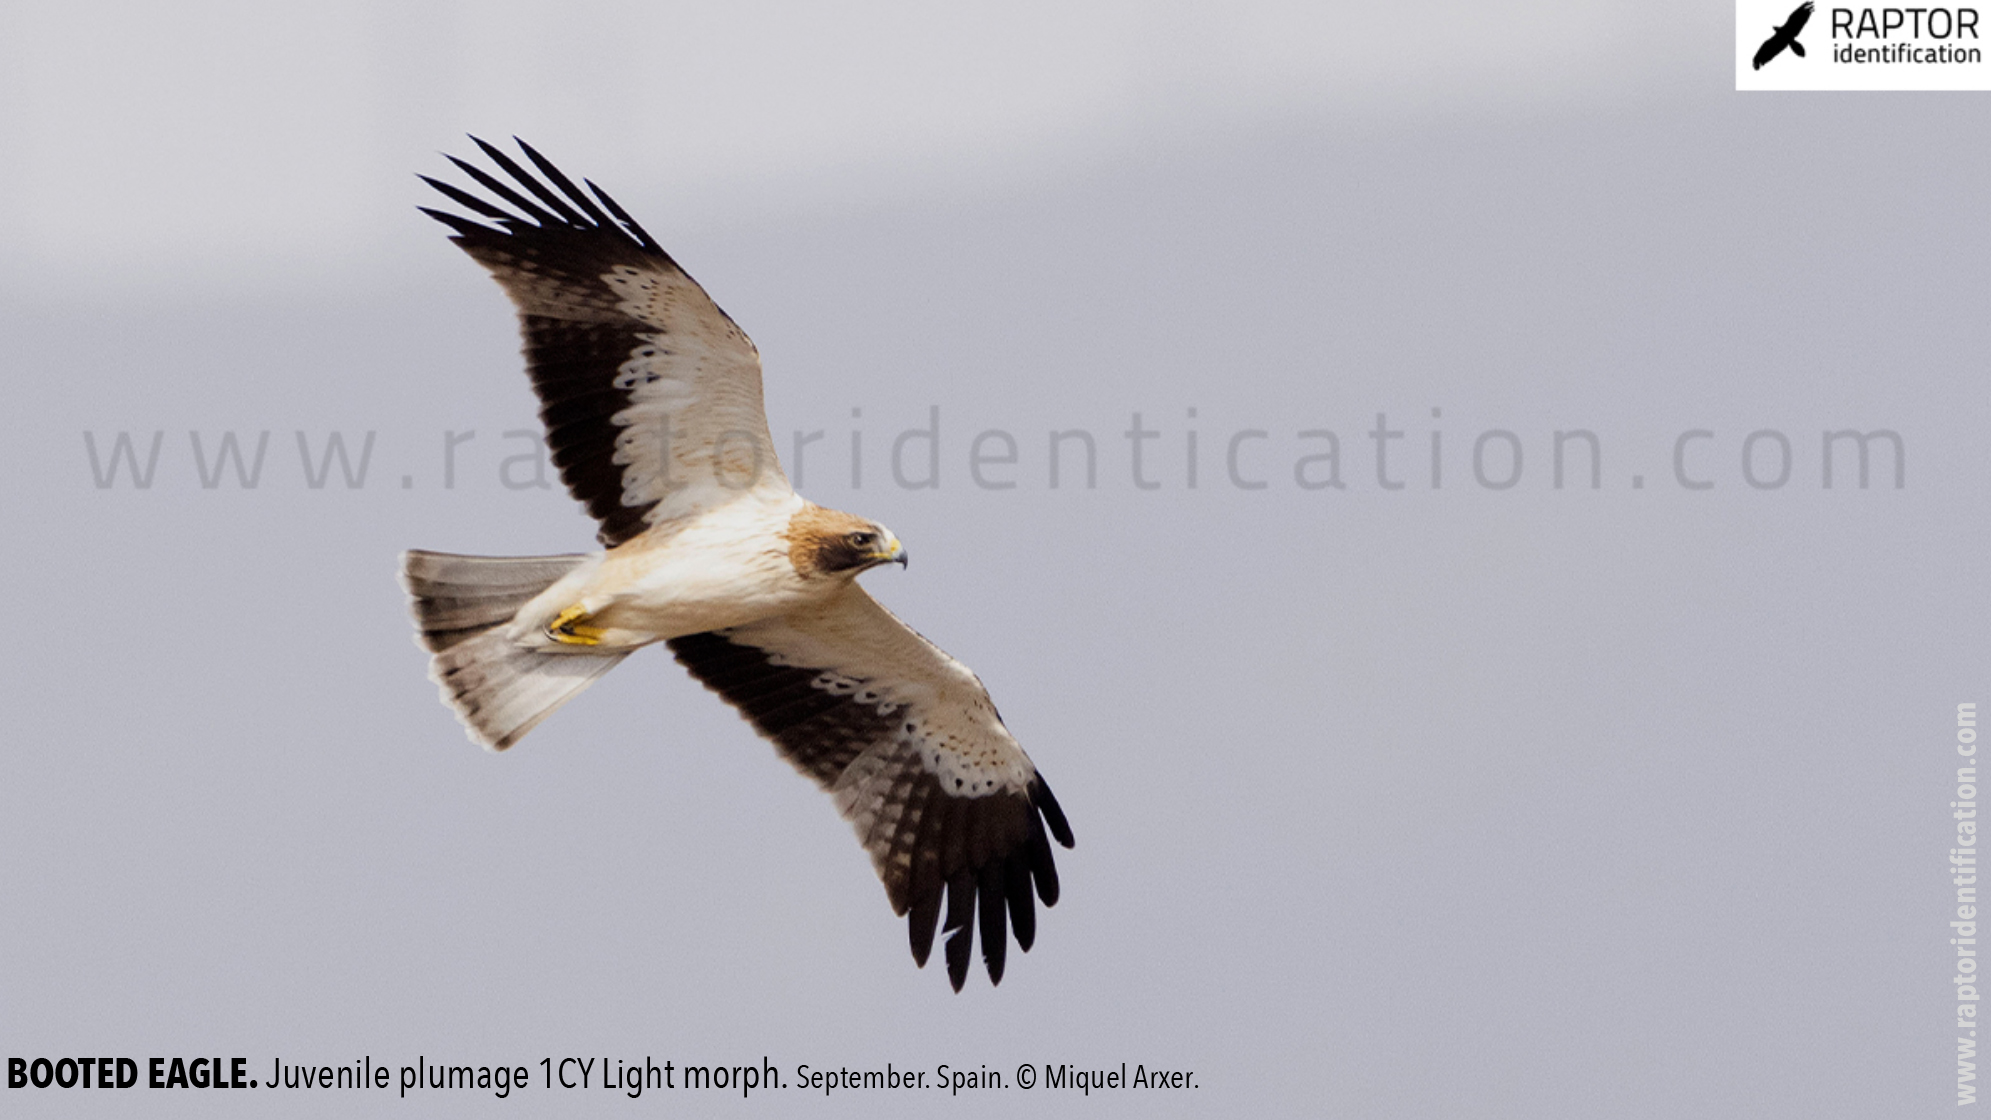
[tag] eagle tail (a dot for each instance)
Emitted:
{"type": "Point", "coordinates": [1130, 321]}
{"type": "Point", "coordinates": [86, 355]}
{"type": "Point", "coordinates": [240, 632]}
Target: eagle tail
{"type": "Point", "coordinates": [1797, 48]}
{"type": "Point", "coordinates": [499, 688]}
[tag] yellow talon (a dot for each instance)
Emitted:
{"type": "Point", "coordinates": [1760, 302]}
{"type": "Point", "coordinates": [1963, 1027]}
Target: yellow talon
{"type": "Point", "coordinates": [568, 629]}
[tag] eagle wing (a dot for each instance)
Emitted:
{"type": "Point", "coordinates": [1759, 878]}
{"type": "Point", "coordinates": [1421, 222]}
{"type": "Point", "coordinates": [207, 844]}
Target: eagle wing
{"type": "Point", "coordinates": [649, 392]}
{"type": "Point", "coordinates": [906, 740]}
{"type": "Point", "coordinates": [1771, 48]}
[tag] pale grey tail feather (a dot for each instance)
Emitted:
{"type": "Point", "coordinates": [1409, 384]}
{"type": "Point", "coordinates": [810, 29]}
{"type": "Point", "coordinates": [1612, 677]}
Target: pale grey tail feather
{"type": "Point", "coordinates": [498, 688]}
{"type": "Point", "coordinates": [501, 690]}
{"type": "Point", "coordinates": [460, 597]}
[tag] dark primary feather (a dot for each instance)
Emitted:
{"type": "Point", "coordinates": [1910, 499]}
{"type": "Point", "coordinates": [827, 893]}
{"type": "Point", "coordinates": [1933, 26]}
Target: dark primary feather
{"type": "Point", "coordinates": [525, 179]}
{"type": "Point", "coordinates": [621, 215]}
{"type": "Point", "coordinates": [496, 186]}
{"type": "Point", "coordinates": [565, 184]}
{"type": "Point", "coordinates": [978, 853]}
{"type": "Point", "coordinates": [464, 199]}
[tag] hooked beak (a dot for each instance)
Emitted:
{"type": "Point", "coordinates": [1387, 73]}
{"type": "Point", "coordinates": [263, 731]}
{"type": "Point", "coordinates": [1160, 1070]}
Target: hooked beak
{"type": "Point", "coordinates": [893, 554]}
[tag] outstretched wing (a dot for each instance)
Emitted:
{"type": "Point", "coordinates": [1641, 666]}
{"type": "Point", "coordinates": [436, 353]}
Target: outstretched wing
{"type": "Point", "coordinates": [1801, 16]}
{"type": "Point", "coordinates": [906, 740]}
{"type": "Point", "coordinates": [650, 394]}
{"type": "Point", "coordinates": [1771, 48]}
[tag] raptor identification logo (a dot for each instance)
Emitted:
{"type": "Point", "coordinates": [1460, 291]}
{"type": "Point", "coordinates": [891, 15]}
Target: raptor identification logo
{"type": "Point", "coordinates": [1786, 45]}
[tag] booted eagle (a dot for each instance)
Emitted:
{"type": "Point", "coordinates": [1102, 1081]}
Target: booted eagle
{"type": "Point", "coordinates": [652, 404]}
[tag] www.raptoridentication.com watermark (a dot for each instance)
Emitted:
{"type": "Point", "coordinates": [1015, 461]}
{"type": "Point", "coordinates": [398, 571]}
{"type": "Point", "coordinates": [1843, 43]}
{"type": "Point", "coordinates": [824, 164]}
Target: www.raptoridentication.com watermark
{"type": "Point", "coordinates": [1963, 875]}
{"type": "Point", "coordinates": [1149, 454]}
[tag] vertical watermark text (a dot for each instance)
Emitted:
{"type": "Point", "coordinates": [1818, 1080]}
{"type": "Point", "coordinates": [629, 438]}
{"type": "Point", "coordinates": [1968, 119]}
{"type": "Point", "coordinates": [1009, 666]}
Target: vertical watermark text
{"type": "Point", "coordinates": [1963, 927]}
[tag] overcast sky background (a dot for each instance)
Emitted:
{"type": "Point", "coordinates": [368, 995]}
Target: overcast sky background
{"type": "Point", "coordinates": [1448, 800]}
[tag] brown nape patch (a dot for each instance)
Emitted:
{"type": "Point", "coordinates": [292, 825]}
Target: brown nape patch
{"type": "Point", "coordinates": [818, 540]}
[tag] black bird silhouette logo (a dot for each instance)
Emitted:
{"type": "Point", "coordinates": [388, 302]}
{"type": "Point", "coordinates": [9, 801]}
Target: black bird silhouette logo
{"type": "Point", "coordinates": [1785, 36]}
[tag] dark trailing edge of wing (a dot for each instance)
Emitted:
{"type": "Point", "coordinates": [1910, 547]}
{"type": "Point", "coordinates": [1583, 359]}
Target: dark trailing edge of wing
{"type": "Point", "coordinates": [554, 243]}
{"type": "Point", "coordinates": [981, 854]}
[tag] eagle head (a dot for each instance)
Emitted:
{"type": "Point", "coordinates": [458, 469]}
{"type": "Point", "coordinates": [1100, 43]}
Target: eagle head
{"type": "Point", "coordinates": [827, 542]}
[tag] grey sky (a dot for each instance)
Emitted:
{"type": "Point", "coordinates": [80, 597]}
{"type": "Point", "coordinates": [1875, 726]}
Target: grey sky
{"type": "Point", "coordinates": [271, 142]}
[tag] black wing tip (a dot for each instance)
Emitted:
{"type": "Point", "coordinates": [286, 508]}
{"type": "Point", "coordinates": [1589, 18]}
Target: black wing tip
{"type": "Point", "coordinates": [992, 903]}
{"type": "Point", "coordinates": [628, 223]}
{"type": "Point", "coordinates": [960, 926]}
{"type": "Point", "coordinates": [1016, 887]}
{"type": "Point", "coordinates": [992, 898]}
{"type": "Point", "coordinates": [560, 207]}
{"type": "Point", "coordinates": [958, 947]}
{"type": "Point", "coordinates": [461, 226]}
{"type": "Point", "coordinates": [1054, 814]}
{"type": "Point", "coordinates": [465, 199]}
{"type": "Point", "coordinates": [922, 919]}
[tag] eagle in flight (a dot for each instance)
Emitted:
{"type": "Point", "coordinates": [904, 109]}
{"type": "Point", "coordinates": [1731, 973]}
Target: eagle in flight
{"type": "Point", "coordinates": [651, 397]}
{"type": "Point", "coordinates": [1785, 36]}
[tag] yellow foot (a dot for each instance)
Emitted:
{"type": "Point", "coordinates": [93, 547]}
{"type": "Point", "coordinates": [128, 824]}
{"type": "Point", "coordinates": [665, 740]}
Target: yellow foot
{"type": "Point", "coordinates": [570, 628]}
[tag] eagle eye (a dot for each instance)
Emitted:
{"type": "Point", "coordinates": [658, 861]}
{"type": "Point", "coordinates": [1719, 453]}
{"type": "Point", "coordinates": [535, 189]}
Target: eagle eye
{"type": "Point", "coordinates": [862, 540]}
